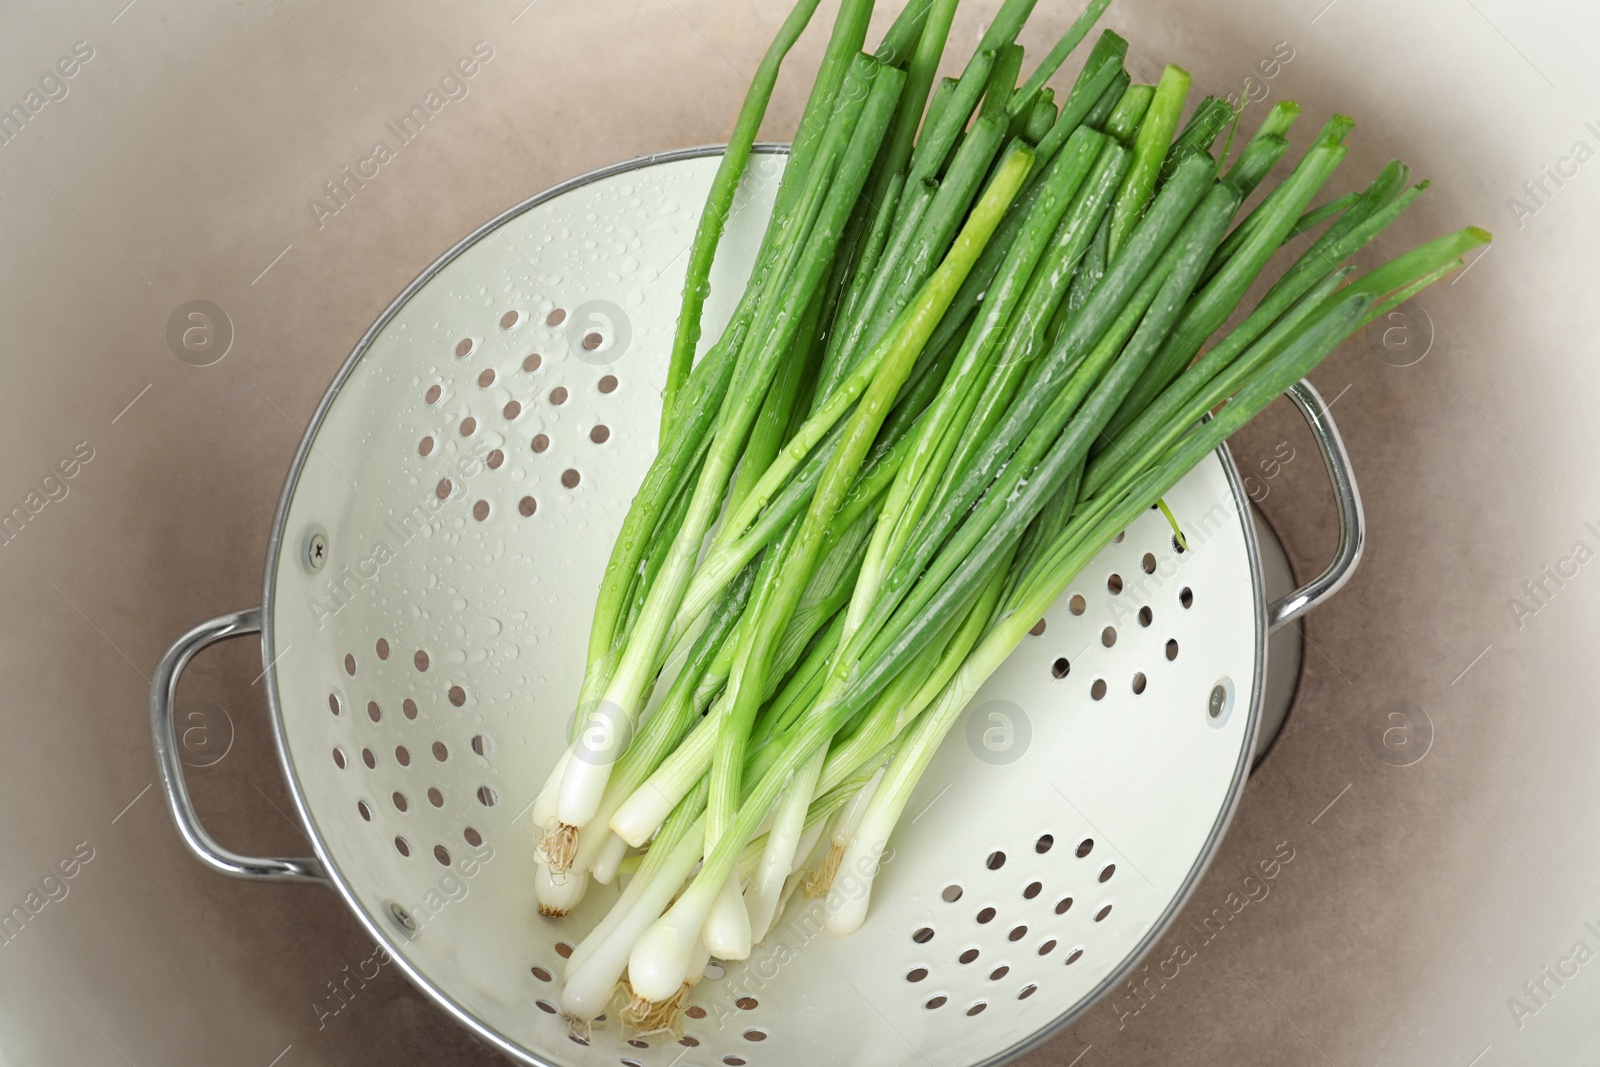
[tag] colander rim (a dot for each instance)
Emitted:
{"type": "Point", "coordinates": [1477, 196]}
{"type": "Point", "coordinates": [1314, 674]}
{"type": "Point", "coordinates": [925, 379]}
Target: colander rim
{"type": "Point", "coordinates": [392, 942]}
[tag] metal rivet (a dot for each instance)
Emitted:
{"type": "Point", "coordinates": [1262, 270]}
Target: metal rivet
{"type": "Point", "coordinates": [1219, 697]}
{"type": "Point", "coordinates": [316, 549]}
{"type": "Point", "coordinates": [403, 917]}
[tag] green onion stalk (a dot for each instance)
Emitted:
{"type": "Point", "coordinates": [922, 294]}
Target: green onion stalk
{"type": "Point", "coordinates": [806, 254]}
{"type": "Point", "coordinates": [1144, 480]}
{"type": "Point", "coordinates": [659, 961]}
{"type": "Point", "coordinates": [1074, 548]}
{"type": "Point", "coordinates": [727, 929]}
{"type": "Point", "coordinates": [714, 216]}
{"type": "Point", "coordinates": [972, 348]}
{"type": "Point", "coordinates": [701, 399]}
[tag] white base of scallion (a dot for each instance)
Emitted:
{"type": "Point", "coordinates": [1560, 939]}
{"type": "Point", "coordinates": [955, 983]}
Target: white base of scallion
{"type": "Point", "coordinates": [558, 894]}
{"type": "Point", "coordinates": [848, 898]}
{"type": "Point", "coordinates": [778, 858]}
{"type": "Point", "coordinates": [647, 1018]}
{"type": "Point", "coordinates": [641, 814]}
{"type": "Point", "coordinates": [661, 957]}
{"type": "Point", "coordinates": [542, 819]}
{"type": "Point", "coordinates": [727, 929]}
{"type": "Point", "coordinates": [604, 868]}
{"type": "Point", "coordinates": [596, 837]}
{"type": "Point", "coordinates": [698, 964]}
{"type": "Point", "coordinates": [813, 846]}
{"type": "Point", "coordinates": [844, 827]}
{"type": "Point", "coordinates": [841, 834]}
{"type": "Point", "coordinates": [891, 787]}
{"type": "Point", "coordinates": [597, 964]}
{"type": "Point", "coordinates": [582, 786]}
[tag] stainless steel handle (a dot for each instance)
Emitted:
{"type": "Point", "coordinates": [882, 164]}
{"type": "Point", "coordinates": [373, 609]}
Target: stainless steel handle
{"type": "Point", "coordinates": [163, 695]}
{"type": "Point", "coordinates": [1352, 521]}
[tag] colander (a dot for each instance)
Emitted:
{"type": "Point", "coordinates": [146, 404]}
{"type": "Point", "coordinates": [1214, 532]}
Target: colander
{"type": "Point", "coordinates": [429, 583]}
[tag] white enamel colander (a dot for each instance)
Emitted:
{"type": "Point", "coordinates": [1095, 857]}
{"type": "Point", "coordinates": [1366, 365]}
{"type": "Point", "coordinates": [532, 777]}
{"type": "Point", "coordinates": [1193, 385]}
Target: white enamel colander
{"type": "Point", "coordinates": [429, 585]}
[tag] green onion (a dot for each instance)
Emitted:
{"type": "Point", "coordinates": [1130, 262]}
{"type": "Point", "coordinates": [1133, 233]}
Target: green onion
{"type": "Point", "coordinates": [1213, 303]}
{"type": "Point", "coordinates": [1041, 117]}
{"type": "Point", "coordinates": [1063, 48]}
{"type": "Point", "coordinates": [805, 256]}
{"type": "Point", "coordinates": [1100, 112]}
{"type": "Point", "coordinates": [697, 283]}
{"type": "Point", "coordinates": [1123, 122]}
{"type": "Point", "coordinates": [971, 349]}
{"type": "Point", "coordinates": [1150, 146]}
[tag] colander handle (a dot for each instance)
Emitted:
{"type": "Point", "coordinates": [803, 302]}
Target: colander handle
{"type": "Point", "coordinates": [1352, 520]}
{"type": "Point", "coordinates": [163, 695]}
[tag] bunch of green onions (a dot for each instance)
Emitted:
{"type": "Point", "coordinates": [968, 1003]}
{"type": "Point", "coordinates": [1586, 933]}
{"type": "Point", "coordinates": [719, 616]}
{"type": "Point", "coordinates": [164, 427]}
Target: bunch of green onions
{"type": "Point", "coordinates": [968, 354]}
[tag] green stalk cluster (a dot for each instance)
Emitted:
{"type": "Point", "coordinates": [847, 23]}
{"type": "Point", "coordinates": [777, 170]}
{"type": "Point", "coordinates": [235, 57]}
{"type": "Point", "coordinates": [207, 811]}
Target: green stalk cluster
{"type": "Point", "coordinates": [973, 346]}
